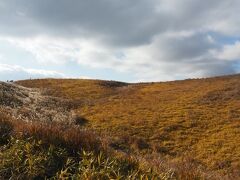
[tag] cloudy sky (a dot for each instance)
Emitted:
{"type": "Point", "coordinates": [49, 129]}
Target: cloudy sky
{"type": "Point", "coordinates": [126, 40]}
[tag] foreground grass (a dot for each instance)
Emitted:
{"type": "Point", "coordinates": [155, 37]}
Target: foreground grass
{"type": "Point", "coordinates": [40, 151]}
{"type": "Point", "coordinates": [31, 159]}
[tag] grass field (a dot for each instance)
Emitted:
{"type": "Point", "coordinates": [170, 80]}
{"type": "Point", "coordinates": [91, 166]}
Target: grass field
{"type": "Point", "coordinates": [198, 118]}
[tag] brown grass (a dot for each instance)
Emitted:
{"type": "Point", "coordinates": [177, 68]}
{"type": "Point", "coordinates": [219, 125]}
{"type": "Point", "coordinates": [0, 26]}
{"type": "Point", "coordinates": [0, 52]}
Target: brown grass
{"type": "Point", "coordinates": [62, 135]}
{"type": "Point", "coordinates": [199, 117]}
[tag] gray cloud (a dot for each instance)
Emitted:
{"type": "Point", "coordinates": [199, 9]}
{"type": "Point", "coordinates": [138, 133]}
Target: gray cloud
{"type": "Point", "coordinates": [119, 22]}
{"type": "Point", "coordinates": [122, 22]}
{"type": "Point", "coordinates": [186, 48]}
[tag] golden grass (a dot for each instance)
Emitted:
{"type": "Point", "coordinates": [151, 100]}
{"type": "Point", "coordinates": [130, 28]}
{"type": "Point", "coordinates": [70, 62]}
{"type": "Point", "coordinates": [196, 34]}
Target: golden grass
{"type": "Point", "coordinates": [196, 117]}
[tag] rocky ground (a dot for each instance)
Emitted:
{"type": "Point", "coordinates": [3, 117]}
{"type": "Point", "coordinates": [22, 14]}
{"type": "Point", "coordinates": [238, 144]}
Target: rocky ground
{"type": "Point", "coordinates": [31, 105]}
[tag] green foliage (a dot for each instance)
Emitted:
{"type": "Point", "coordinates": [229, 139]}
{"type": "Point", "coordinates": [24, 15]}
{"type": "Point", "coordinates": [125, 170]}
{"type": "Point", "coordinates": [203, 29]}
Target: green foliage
{"type": "Point", "coordinates": [29, 159]}
{"type": "Point", "coordinates": [99, 166]}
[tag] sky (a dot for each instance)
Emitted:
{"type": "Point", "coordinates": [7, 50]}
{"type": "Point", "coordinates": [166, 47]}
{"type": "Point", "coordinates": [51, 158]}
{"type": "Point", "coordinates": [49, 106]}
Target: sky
{"type": "Point", "coordinates": [124, 40]}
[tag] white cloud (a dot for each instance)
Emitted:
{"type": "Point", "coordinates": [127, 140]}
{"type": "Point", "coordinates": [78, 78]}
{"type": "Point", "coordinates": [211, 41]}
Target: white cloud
{"type": "Point", "coordinates": [17, 72]}
{"type": "Point", "coordinates": [229, 52]}
{"type": "Point", "coordinates": [45, 49]}
{"type": "Point", "coordinates": [168, 57]}
{"type": "Point", "coordinates": [85, 77]}
{"type": "Point", "coordinates": [1, 57]}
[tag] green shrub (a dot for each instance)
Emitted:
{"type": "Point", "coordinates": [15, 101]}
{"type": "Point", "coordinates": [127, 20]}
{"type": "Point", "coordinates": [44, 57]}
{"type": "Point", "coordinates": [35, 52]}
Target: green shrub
{"type": "Point", "coordinates": [29, 159]}
{"type": "Point", "coordinates": [99, 166]}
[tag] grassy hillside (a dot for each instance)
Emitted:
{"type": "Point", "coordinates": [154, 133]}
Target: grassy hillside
{"type": "Point", "coordinates": [197, 118]}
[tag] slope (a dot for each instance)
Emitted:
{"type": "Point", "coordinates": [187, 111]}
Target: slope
{"type": "Point", "coordinates": [198, 118]}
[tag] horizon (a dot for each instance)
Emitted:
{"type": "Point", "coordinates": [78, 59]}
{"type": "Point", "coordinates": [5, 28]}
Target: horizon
{"type": "Point", "coordinates": [128, 82]}
{"type": "Point", "coordinates": [127, 41]}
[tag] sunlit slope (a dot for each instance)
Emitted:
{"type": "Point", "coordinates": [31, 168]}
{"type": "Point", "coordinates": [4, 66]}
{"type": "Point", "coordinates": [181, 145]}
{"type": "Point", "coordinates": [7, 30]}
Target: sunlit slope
{"type": "Point", "coordinates": [199, 117]}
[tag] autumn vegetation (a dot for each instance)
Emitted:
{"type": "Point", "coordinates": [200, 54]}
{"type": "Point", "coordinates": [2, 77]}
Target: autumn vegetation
{"type": "Point", "coordinates": [170, 130]}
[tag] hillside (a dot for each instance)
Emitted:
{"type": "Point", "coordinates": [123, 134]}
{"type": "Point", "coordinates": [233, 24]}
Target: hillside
{"type": "Point", "coordinates": [199, 117]}
{"type": "Point", "coordinates": [40, 138]}
{"type": "Point", "coordinates": [174, 127]}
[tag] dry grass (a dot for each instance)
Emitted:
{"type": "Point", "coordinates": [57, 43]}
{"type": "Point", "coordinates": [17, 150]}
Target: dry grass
{"type": "Point", "coordinates": [61, 135]}
{"type": "Point", "coordinates": [33, 150]}
{"type": "Point", "coordinates": [198, 117]}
